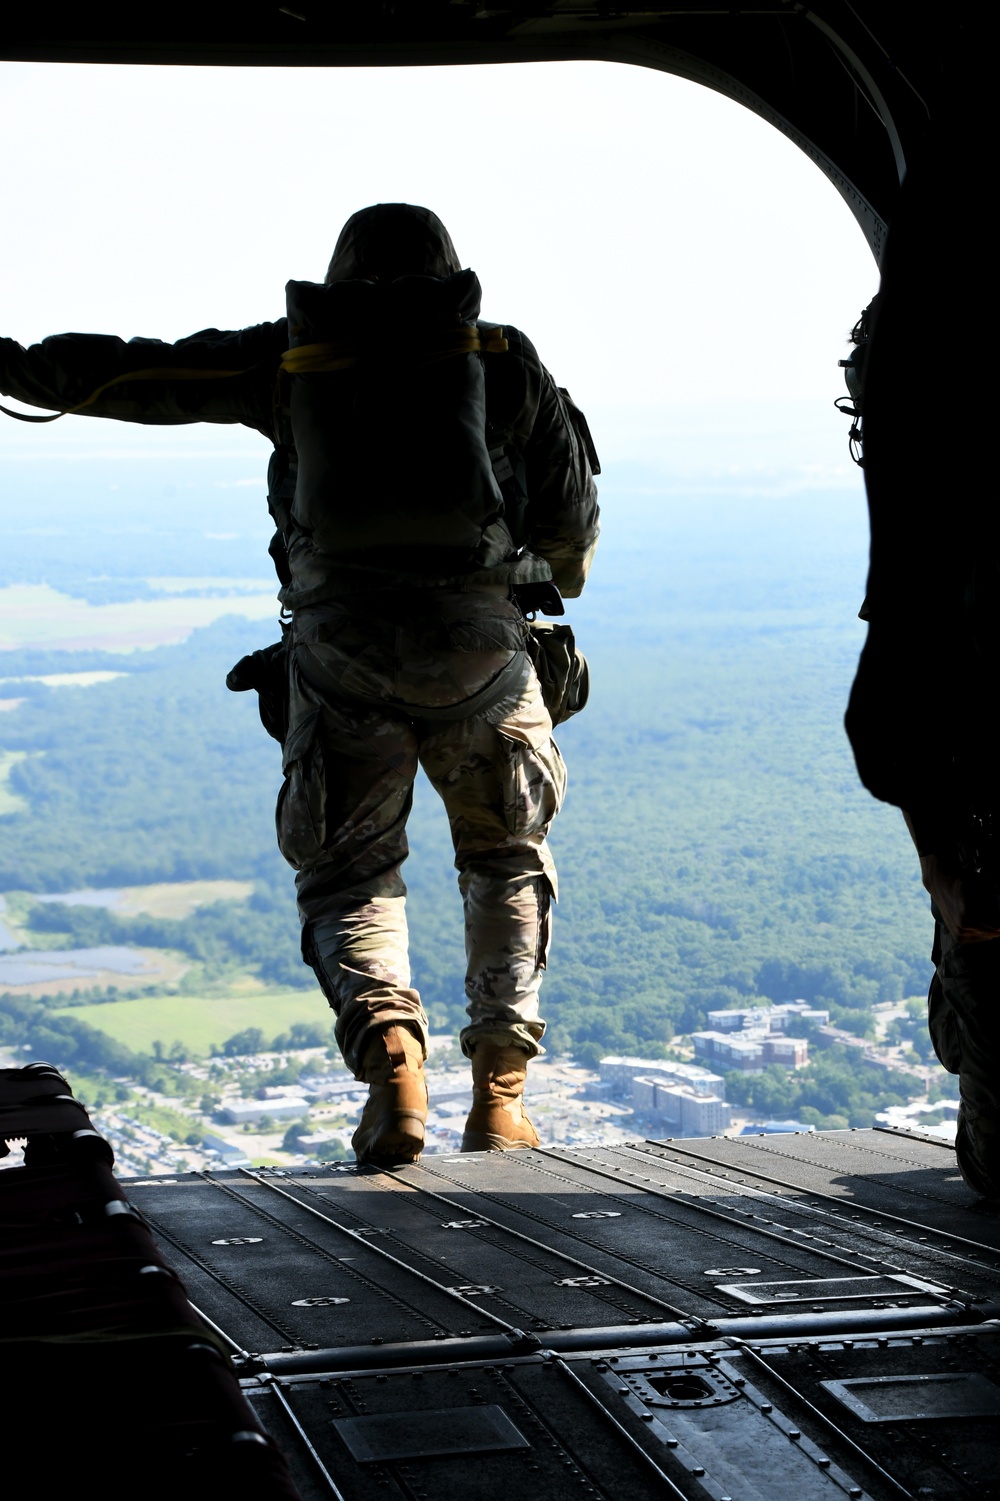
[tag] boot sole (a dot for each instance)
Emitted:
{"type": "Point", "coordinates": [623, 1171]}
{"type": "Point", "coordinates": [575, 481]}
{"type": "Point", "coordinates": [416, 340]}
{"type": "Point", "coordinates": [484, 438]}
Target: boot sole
{"type": "Point", "coordinates": [487, 1141]}
{"type": "Point", "coordinates": [403, 1143]}
{"type": "Point", "coordinates": [369, 1159]}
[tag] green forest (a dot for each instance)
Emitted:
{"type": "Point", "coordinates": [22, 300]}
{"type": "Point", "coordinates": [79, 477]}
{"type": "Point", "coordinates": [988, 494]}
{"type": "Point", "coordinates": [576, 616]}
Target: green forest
{"type": "Point", "coordinates": [715, 847]}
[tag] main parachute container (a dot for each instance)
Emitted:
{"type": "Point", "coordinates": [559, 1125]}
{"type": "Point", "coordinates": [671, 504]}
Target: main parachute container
{"type": "Point", "coordinates": [388, 410]}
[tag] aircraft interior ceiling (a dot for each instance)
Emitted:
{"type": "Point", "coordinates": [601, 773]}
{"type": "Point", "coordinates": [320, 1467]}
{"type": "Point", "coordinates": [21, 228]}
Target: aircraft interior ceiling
{"type": "Point", "coordinates": [853, 85]}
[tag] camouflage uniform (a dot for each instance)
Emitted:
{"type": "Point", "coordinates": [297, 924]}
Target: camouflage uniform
{"type": "Point", "coordinates": [958, 868]}
{"type": "Point", "coordinates": [392, 675]}
{"type": "Point", "coordinates": [964, 1021]}
{"type": "Point", "coordinates": [356, 737]}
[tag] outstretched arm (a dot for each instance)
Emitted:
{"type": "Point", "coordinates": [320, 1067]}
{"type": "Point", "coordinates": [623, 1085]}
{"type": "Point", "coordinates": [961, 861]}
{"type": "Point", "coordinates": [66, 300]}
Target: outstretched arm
{"type": "Point", "coordinates": [212, 376]}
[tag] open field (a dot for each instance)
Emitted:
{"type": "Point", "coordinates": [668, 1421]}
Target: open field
{"type": "Point", "coordinates": [35, 615]}
{"type": "Point", "coordinates": [65, 679]}
{"type": "Point", "coordinates": [202, 1022]}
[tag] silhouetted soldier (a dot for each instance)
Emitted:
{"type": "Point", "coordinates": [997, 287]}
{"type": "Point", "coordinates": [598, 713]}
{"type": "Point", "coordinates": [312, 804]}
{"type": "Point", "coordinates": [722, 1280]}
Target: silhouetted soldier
{"type": "Point", "coordinates": [958, 863]}
{"type": "Point", "coordinates": [933, 637]}
{"type": "Point", "coordinates": [430, 485]}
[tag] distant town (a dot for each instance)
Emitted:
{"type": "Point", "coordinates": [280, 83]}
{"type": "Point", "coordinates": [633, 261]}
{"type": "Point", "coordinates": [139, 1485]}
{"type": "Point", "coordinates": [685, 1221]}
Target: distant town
{"type": "Point", "coordinates": [299, 1107]}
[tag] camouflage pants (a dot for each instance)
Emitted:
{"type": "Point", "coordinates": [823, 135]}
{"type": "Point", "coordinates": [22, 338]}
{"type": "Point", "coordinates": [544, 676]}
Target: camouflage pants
{"type": "Point", "coordinates": [964, 1020]}
{"type": "Point", "coordinates": [350, 766]}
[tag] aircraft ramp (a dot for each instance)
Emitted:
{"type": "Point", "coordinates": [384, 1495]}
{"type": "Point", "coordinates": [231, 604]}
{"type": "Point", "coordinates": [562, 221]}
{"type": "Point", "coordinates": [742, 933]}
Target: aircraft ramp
{"type": "Point", "coordinates": [771, 1318]}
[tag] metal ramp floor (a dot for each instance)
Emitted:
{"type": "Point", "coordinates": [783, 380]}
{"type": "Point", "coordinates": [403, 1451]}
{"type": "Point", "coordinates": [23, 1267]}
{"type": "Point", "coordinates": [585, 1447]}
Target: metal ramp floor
{"type": "Point", "coordinates": [759, 1318]}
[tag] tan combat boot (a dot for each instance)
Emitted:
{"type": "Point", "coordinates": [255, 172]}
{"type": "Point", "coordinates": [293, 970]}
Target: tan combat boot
{"type": "Point", "coordinates": [497, 1121]}
{"type": "Point", "coordinates": [977, 1146]}
{"type": "Point", "coordinates": [391, 1130]}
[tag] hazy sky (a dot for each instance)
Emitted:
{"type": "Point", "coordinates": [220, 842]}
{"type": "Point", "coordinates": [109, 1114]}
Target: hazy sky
{"type": "Point", "coordinates": [682, 267]}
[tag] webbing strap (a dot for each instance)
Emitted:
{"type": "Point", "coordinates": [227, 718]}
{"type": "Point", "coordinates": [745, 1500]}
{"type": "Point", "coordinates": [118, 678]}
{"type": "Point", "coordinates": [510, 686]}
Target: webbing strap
{"type": "Point", "coordinates": [129, 375]}
{"type": "Point", "coordinates": [496, 689]}
{"type": "Point", "coordinates": [310, 359]}
{"type": "Point", "coordinates": [27, 417]}
{"type": "Point", "coordinates": [491, 693]}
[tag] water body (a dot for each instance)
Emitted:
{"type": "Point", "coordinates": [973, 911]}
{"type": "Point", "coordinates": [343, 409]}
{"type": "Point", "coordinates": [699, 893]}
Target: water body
{"type": "Point", "coordinates": [105, 896]}
{"type": "Point", "coordinates": [49, 965]}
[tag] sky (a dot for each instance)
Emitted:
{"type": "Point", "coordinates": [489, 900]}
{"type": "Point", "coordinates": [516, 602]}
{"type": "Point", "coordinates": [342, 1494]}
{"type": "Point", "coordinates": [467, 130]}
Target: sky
{"type": "Point", "coordinates": [682, 267]}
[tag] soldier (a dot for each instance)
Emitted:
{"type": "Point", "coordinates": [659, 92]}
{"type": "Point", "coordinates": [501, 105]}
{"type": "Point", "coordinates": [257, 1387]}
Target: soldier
{"type": "Point", "coordinates": [407, 641]}
{"type": "Point", "coordinates": [931, 611]}
{"type": "Point", "coordinates": [958, 871]}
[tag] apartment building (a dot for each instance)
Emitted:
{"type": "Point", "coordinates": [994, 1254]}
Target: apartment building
{"type": "Point", "coordinates": [680, 1111]}
{"type": "Point", "coordinates": [766, 1018]}
{"type": "Point", "coordinates": [617, 1074]}
{"type": "Point", "coordinates": [730, 1050]}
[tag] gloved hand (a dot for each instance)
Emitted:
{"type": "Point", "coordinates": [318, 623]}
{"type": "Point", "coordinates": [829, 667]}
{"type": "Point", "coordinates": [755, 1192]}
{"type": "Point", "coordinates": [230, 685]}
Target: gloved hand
{"type": "Point", "coordinates": [267, 672]}
{"type": "Point", "coordinates": [541, 598]}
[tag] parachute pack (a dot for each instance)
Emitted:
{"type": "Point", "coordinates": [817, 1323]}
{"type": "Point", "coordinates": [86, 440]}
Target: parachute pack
{"type": "Point", "coordinates": [387, 399]}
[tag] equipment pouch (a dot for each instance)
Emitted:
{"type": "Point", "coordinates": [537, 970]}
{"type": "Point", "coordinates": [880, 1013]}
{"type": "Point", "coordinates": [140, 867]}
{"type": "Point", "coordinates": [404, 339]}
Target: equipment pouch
{"type": "Point", "coordinates": [563, 670]}
{"type": "Point", "coordinates": [267, 672]}
{"type": "Point", "coordinates": [300, 816]}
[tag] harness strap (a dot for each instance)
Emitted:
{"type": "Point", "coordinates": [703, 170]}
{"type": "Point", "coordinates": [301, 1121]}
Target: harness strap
{"type": "Point", "coordinates": [26, 417]}
{"type": "Point", "coordinates": [497, 688]}
{"type": "Point", "coordinates": [314, 359]}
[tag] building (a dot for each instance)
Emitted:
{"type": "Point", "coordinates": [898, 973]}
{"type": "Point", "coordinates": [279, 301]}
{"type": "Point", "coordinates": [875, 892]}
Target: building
{"type": "Point", "coordinates": [750, 1051]}
{"type": "Point", "coordinates": [790, 1010]}
{"type": "Point", "coordinates": [283, 1108]}
{"type": "Point", "coordinates": [231, 1154]}
{"type": "Point", "coordinates": [312, 1144]}
{"type": "Point", "coordinates": [319, 1089]}
{"type": "Point", "coordinates": [753, 1037]}
{"type": "Point", "coordinates": [678, 1108]}
{"type": "Point", "coordinates": [617, 1075]}
{"type": "Point", "coordinates": [768, 1019]}
{"type": "Point", "coordinates": [737, 1020]}
{"type": "Point", "coordinates": [845, 1039]}
{"type": "Point", "coordinates": [791, 1052]}
{"type": "Point", "coordinates": [730, 1050]}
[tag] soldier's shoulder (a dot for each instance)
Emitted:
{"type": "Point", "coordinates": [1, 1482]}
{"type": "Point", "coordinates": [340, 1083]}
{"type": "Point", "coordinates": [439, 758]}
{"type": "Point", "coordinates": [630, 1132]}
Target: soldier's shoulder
{"type": "Point", "coordinates": [518, 343]}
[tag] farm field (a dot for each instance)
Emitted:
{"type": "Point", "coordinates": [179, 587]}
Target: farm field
{"type": "Point", "coordinates": [36, 615]}
{"type": "Point", "coordinates": [202, 1022]}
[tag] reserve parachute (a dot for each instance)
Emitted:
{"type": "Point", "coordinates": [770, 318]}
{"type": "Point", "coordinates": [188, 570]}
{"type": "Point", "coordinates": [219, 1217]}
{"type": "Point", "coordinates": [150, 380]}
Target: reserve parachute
{"type": "Point", "coordinates": [387, 399]}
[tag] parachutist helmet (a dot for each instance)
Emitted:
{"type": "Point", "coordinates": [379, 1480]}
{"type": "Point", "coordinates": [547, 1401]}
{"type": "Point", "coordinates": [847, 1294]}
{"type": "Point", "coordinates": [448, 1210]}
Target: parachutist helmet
{"type": "Point", "coordinates": [389, 240]}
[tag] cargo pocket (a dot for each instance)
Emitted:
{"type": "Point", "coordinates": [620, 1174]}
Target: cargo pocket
{"type": "Point", "coordinates": [968, 974]}
{"type": "Point", "coordinates": [545, 897]}
{"type": "Point", "coordinates": [533, 782]}
{"type": "Point", "coordinates": [943, 1025]}
{"type": "Point", "coordinates": [300, 816]}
